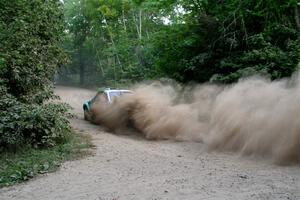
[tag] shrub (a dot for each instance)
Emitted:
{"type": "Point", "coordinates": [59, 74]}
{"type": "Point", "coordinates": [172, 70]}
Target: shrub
{"type": "Point", "coordinates": [30, 53]}
{"type": "Point", "coordinates": [30, 41]}
{"type": "Point", "coordinates": [31, 124]}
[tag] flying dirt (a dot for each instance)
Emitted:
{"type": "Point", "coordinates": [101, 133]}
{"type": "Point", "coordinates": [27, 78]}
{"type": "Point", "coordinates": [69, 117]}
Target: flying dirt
{"type": "Point", "coordinates": [254, 116]}
{"type": "Point", "coordinates": [130, 167]}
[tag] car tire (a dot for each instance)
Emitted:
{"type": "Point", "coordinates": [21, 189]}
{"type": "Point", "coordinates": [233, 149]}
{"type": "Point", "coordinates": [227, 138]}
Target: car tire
{"type": "Point", "coordinates": [86, 116]}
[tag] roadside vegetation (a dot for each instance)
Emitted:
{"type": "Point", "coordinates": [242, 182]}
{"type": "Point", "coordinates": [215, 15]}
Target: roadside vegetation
{"type": "Point", "coordinates": [16, 167]}
{"type": "Point", "coordinates": [35, 135]}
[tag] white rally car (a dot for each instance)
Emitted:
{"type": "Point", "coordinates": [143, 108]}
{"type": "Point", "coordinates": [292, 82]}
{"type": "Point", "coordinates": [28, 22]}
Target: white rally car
{"type": "Point", "coordinates": [108, 94]}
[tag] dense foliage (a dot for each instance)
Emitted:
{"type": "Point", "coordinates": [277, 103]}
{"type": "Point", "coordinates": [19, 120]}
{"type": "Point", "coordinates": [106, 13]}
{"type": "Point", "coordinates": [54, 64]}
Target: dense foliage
{"type": "Point", "coordinates": [211, 40]}
{"type": "Point", "coordinates": [30, 52]}
{"type": "Point", "coordinates": [240, 38]}
{"type": "Point", "coordinates": [108, 40]}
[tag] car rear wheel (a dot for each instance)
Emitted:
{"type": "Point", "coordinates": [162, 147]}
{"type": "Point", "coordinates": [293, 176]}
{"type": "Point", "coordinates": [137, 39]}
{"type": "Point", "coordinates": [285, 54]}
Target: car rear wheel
{"type": "Point", "coordinates": [86, 115]}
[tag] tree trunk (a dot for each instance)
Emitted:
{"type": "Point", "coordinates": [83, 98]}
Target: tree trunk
{"type": "Point", "coordinates": [113, 43]}
{"type": "Point", "coordinates": [81, 65]}
{"type": "Point", "coordinates": [123, 18]}
{"type": "Point", "coordinates": [140, 25]}
{"type": "Point", "coordinates": [100, 64]}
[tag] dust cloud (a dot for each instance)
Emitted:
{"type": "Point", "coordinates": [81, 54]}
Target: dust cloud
{"type": "Point", "coordinates": [254, 116]}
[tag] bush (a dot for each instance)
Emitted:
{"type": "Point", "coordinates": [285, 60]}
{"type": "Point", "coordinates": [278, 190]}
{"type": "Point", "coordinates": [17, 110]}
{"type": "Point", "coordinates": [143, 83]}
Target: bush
{"type": "Point", "coordinates": [30, 41]}
{"type": "Point", "coordinates": [30, 53]}
{"type": "Point", "coordinates": [31, 124]}
{"type": "Point", "coordinates": [273, 55]}
{"type": "Point", "coordinates": [230, 40]}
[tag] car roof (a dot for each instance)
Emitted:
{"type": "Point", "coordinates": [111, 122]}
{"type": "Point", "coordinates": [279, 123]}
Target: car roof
{"type": "Point", "coordinates": [112, 90]}
{"type": "Point", "coordinates": [115, 90]}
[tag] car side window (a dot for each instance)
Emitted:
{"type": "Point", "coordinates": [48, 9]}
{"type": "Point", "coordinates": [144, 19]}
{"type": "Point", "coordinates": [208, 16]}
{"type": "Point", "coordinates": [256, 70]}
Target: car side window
{"type": "Point", "coordinates": [114, 94]}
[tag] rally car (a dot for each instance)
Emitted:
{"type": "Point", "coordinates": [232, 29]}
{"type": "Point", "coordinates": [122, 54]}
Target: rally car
{"type": "Point", "coordinates": [107, 94]}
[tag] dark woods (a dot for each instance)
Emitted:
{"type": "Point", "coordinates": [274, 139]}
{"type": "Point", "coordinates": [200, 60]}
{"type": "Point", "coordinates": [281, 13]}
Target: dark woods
{"type": "Point", "coordinates": [121, 41]}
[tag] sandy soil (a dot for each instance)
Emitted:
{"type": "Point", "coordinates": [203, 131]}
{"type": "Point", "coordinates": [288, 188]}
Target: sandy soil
{"type": "Point", "coordinates": [130, 167]}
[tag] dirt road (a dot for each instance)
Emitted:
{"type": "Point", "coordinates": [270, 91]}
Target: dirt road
{"type": "Point", "coordinates": [130, 167]}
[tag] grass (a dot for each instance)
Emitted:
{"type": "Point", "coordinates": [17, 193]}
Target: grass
{"type": "Point", "coordinates": [28, 163]}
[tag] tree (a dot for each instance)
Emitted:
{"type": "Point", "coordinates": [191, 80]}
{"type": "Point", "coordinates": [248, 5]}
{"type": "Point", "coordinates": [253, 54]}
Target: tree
{"type": "Point", "coordinates": [115, 40]}
{"type": "Point", "coordinates": [78, 25]}
{"type": "Point", "coordinates": [30, 53]}
{"type": "Point", "coordinates": [191, 40]}
{"type": "Point", "coordinates": [226, 40]}
{"type": "Point", "coordinates": [30, 33]}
